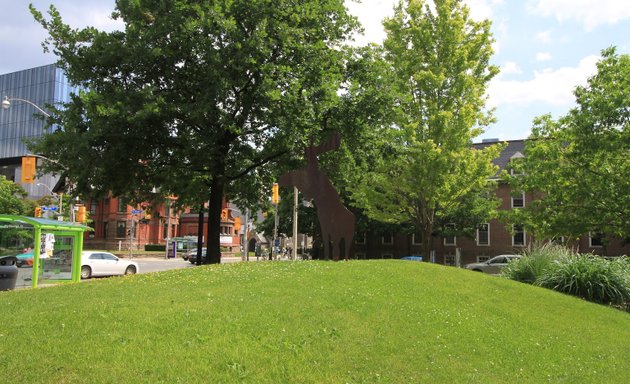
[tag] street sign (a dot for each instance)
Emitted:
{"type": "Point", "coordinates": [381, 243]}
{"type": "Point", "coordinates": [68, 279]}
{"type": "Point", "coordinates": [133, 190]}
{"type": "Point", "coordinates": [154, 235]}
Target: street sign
{"type": "Point", "coordinates": [136, 211]}
{"type": "Point", "coordinates": [277, 242]}
{"type": "Point", "coordinates": [49, 208]}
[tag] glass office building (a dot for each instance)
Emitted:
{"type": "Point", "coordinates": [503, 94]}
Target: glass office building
{"type": "Point", "coordinates": [46, 85]}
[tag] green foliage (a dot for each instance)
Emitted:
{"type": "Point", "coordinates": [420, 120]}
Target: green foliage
{"type": "Point", "coordinates": [587, 276]}
{"type": "Point", "coordinates": [534, 262]}
{"type": "Point", "coordinates": [196, 98]}
{"type": "Point", "coordinates": [155, 247]}
{"type": "Point", "coordinates": [427, 175]}
{"type": "Point", "coordinates": [13, 199]}
{"type": "Point", "coordinates": [309, 322]}
{"type": "Point", "coordinates": [590, 277]}
{"type": "Point", "coordinates": [578, 165]}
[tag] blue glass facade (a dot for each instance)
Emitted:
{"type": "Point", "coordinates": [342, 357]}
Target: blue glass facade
{"type": "Point", "coordinates": [41, 85]}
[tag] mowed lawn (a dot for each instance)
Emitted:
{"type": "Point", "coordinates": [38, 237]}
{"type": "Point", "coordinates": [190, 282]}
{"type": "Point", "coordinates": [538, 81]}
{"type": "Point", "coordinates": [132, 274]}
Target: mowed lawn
{"type": "Point", "coordinates": [385, 321]}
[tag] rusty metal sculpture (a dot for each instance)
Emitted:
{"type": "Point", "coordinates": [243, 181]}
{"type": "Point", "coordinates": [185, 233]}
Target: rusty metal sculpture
{"type": "Point", "coordinates": [336, 221]}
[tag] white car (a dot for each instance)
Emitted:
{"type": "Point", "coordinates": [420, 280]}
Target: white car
{"type": "Point", "coordinates": [99, 263]}
{"type": "Point", "coordinates": [494, 265]}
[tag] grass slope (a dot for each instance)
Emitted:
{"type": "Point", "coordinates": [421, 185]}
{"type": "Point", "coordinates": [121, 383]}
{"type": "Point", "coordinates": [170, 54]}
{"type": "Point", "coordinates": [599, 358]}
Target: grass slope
{"type": "Point", "coordinates": [309, 322]}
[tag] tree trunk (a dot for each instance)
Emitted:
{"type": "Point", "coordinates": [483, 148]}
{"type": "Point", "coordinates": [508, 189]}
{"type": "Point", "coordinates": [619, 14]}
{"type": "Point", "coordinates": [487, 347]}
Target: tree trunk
{"type": "Point", "coordinates": [427, 242]}
{"type": "Point", "coordinates": [200, 234]}
{"type": "Point", "coordinates": [215, 202]}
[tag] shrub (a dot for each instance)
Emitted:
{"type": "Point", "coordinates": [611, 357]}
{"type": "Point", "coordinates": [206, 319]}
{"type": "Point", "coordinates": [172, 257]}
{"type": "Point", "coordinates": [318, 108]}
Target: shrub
{"type": "Point", "coordinates": [534, 262]}
{"type": "Point", "coordinates": [154, 247]}
{"type": "Point", "coordinates": [590, 277]}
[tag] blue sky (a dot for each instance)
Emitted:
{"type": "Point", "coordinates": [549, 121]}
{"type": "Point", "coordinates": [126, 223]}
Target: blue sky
{"type": "Point", "coordinates": [543, 47]}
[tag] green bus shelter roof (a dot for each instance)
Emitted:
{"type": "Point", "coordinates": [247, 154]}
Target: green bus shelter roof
{"type": "Point", "coordinates": [48, 224]}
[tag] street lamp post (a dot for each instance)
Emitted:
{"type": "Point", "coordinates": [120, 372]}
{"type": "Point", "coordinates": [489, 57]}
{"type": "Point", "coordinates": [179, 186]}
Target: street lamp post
{"type": "Point", "coordinates": [6, 104]}
{"type": "Point", "coordinates": [59, 199]}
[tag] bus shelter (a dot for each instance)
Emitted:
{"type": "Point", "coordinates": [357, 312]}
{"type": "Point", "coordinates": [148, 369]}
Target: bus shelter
{"type": "Point", "coordinates": [47, 251]}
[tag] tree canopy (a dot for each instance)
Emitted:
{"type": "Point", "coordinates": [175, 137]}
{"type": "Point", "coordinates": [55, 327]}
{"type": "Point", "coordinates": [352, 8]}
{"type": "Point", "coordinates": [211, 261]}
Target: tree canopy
{"type": "Point", "coordinates": [196, 98]}
{"type": "Point", "coordinates": [428, 173]}
{"type": "Point", "coordinates": [579, 164]}
{"type": "Point", "coordinates": [13, 199]}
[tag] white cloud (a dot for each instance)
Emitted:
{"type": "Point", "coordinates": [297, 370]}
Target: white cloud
{"type": "Point", "coordinates": [552, 86]}
{"type": "Point", "coordinates": [544, 37]}
{"type": "Point", "coordinates": [511, 67]}
{"type": "Point", "coordinates": [372, 12]}
{"type": "Point", "coordinates": [590, 13]}
{"type": "Point", "coordinates": [482, 9]}
{"type": "Point", "coordinates": [543, 56]}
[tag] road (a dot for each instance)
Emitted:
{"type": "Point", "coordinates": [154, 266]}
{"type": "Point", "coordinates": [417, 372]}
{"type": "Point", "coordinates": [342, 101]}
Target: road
{"type": "Point", "coordinates": [156, 264]}
{"type": "Point", "coordinates": [145, 264]}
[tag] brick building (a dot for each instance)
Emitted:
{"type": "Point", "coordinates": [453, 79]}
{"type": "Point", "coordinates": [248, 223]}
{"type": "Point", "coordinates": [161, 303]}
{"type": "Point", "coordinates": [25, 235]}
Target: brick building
{"type": "Point", "coordinates": [117, 225]}
{"type": "Point", "coordinates": [492, 238]}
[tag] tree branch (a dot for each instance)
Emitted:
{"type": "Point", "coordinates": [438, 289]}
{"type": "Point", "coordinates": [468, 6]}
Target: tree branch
{"type": "Point", "coordinates": [256, 165]}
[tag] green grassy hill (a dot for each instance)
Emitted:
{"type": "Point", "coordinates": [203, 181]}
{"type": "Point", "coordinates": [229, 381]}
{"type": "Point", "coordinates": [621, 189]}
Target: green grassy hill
{"type": "Point", "coordinates": [309, 322]}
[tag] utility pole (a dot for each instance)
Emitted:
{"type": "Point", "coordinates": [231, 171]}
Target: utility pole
{"type": "Point", "coordinates": [275, 199]}
{"type": "Point", "coordinates": [294, 247]}
{"type": "Point", "coordinates": [245, 244]}
{"type": "Point", "coordinates": [167, 236]}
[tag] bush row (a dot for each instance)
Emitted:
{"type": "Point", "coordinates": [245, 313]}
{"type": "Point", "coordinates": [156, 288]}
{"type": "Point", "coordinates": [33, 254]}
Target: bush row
{"type": "Point", "coordinates": [590, 277]}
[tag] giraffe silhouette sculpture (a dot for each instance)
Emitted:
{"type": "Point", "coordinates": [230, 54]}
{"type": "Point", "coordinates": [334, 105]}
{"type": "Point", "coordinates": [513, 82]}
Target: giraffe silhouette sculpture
{"type": "Point", "coordinates": [336, 221]}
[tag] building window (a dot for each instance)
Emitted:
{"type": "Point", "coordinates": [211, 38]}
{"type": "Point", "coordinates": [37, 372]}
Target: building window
{"type": "Point", "coordinates": [518, 236]}
{"type": "Point", "coordinates": [416, 238]}
{"type": "Point", "coordinates": [516, 162]}
{"type": "Point", "coordinates": [449, 259]}
{"type": "Point", "coordinates": [122, 205]}
{"type": "Point", "coordinates": [483, 234]}
{"type": "Point", "coordinates": [559, 240]}
{"type": "Point", "coordinates": [596, 239]}
{"type": "Point", "coordinates": [388, 239]}
{"type": "Point", "coordinates": [518, 201]}
{"type": "Point", "coordinates": [121, 229]}
{"type": "Point", "coordinates": [359, 255]}
{"type": "Point", "coordinates": [450, 239]}
{"type": "Point", "coordinates": [360, 238]}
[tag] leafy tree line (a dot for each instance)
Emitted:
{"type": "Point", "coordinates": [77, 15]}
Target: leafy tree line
{"type": "Point", "coordinates": [208, 100]}
{"type": "Point", "coordinates": [198, 98]}
{"type": "Point", "coordinates": [579, 164]}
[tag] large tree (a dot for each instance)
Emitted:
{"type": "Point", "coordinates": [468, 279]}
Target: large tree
{"type": "Point", "coordinates": [13, 199]}
{"type": "Point", "coordinates": [194, 97]}
{"type": "Point", "coordinates": [579, 164]}
{"type": "Point", "coordinates": [429, 174]}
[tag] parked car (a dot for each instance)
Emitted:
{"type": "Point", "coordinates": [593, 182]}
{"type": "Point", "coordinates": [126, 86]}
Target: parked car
{"type": "Point", "coordinates": [25, 259]}
{"type": "Point", "coordinates": [192, 256]}
{"type": "Point", "coordinates": [99, 263]}
{"type": "Point", "coordinates": [492, 266]}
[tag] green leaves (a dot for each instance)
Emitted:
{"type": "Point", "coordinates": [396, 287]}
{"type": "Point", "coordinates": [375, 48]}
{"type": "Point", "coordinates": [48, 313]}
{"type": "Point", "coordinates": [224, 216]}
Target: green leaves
{"type": "Point", "coordinates": [428, 175]}
{"type": "Point", "coordinates": [580, 164]}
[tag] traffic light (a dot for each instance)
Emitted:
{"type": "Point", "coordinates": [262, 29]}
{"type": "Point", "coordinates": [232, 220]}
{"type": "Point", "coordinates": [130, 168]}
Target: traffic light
{"type": "Point", "coordinates": [237, 224]}
{"type": "Point", "coordinates": [275, 193]}
{"type": "Point", "coordinates": [224, 214]}
{"type": "Point", "coordinates": [38, 211]}
{"type": "Point", "coordinates": [28, 169]}
{"type": "Point", "coordinates": [81, 217]}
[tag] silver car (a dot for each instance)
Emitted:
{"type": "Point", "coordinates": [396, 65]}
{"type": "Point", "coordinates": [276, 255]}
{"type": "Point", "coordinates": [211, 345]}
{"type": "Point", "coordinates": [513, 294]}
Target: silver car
{"type": "Point", "coordinates": [99, 263]}
{"type": "Point", "coordinates": [492, 266]}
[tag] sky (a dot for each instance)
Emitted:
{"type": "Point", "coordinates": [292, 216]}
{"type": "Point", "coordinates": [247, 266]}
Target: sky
{"type": "Point", "coordinates": [544, 48]}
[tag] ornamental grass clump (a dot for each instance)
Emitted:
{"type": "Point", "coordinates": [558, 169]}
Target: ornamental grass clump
{"type": "Point", "coordinates": [590, 277]}
{"type": "Point", "coordinates": [534, 262]}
